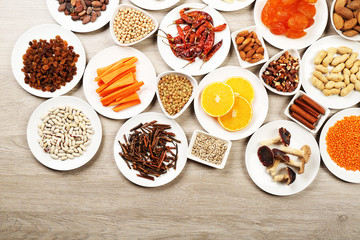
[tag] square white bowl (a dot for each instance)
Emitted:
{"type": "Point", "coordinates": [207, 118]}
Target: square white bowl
{"type": "Point", "coordinates": [245, 64]}
{"type": "Point", "coordinates": [293, 53]}
{"type": "Point", "coordinates": [319, 123]}
{"type": "Point", "coordinates": [196, 159]}
{"type": "Point", "coordinates": [193, 94]}
{"type": "Point", "coordinates": [125, 6]}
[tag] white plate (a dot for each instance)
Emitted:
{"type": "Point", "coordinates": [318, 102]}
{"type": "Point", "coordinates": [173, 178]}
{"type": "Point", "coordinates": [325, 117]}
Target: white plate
{"type": "Point", "coordinates": [77, 26]}
{"type": "Point", "coordinates": [354, 38]}
{"type": "Point", "coordinates": [281, 41]}
{"type": "Point", "coordinates": [193, 68]}
{"type": "Point", "coordinates": [130, 174]}
{"type": "Point", "coordinates": [342, 173]}
{"type": "Point", "coordinates": [154, 4]}
{"type": "Point", "coordinates": [243, 63]}
{"type": "Point", "coordinates": [299, 137]}
{"type": "Point", "coordinates": [193, 94]}
{"type": "Point", "coordinates": [334, 102]}
{"type": "Point", "coordinates": [46, 32]}
{"type": "Point", "coordinates": [224, 6]}
{"type": "Point", "coordinates": [127, 6]}
{"type": "Point", "coordinates": [33, 136]}
{"type": "Point", "coordinates": [293, 53]}
{"type": "Point", "coordinates": [144, 72]}
{"type": "Point", "coordinates": [259, 105]}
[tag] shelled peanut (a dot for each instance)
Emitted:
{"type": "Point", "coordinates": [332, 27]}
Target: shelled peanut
{"type": "Point", "coordinates": [346, 17]}
{"type": "Point", "coordinates": [343, 77]}
{"type": "Point", "coordinates": [249, 46]}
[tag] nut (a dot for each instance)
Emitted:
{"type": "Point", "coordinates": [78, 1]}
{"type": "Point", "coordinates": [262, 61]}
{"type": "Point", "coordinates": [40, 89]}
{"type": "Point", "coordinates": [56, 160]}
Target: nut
{"type": "Point", "coordinates": [249, 47]}
{"type": "Point", "coordinates": [345, 12]}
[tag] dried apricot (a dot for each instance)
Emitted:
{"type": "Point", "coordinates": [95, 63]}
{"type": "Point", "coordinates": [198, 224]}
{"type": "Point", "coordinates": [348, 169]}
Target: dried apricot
{"type": "Point", "coordinates": [289, 17]}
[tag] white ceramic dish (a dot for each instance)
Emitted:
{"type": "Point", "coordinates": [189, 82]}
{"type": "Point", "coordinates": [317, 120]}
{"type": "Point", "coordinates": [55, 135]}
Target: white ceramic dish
{"type": "Point", "coordinates": [195, 68]}
{"type": "Point", "coordinates": [281, 41]}
{"type": "Point", "coordinates": [196, 159]}
{"type": "Point", "coordinates": [194, 92]}
{"type": "Point", "coordinates": [155, 4]}
{"type": "Point", "coordinates": [127, 6]}
{"type": "Point", "coordinates": [257, 171]}
{"type": "Point", "coordinates": [334, 101]}
{"type": "Point", "coordinates": [318, 124]}
{"type": "Point", "coordinates": [33, 136]}
{"type": "Point", "coordinates": [355, 38]}
{"type": "Point", "coordinates": [224, 6]}
{"type": "Point", "coordinates": [144, 72]}
{"type": "Point", "coordinates": [293, 53]}
{"type": "Point", "coordinates": [342, 173]}
{"type": "Point", "coordinates": [259, 105]}
{"type": "Point", "coordinates": [130, 174]}
{"type": "Point", "coordinates": [46, 32]}
{"type": "Point", "coordinates": [77, 26]}
{"type": "Point", "coordinates": [245, 64]}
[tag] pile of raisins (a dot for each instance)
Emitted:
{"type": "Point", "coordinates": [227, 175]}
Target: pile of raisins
{"type": "Point", "coordinates": [49, 65]}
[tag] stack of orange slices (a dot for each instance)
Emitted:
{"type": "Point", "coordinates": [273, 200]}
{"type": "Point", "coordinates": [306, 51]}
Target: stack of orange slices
{"type": "Point", "coordinates": [230, 102]}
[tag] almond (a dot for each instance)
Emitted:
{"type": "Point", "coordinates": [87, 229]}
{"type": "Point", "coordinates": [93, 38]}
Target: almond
{"type": "Point", "coordinates": [338, 21]}
{"type": "Point", "coordinates": [354, 5]}
{"type": "Point", "coordinates": [340, 3]}
{"type": "Point", "coordinates": [345, 13]}
{"type": "Point", "coordinates": [357, 28]}
{"type": "Point", "coordinates": [358, 18]}
{"type": "Point", "coordinates": [243, 33]}
{"type": "Point", "coordinates": [350, 33]}
{"type": "Point", "coordinates": [349, 24]}
{"type": "Point", "coordinates": [242, 55]}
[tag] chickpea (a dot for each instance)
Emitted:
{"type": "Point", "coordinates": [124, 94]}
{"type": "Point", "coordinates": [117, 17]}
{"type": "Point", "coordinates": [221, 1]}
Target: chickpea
{"type": "Point", "coordinates": [131, 25]}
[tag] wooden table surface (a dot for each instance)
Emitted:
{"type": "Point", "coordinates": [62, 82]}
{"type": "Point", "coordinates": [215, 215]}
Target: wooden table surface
{"type": "Point", "coordinates": [96, 201]}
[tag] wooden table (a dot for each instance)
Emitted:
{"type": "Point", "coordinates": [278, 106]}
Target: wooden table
{"type": "Point", "coordinates": [96, 201]}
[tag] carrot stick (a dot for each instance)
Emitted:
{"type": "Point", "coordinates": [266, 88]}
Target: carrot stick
{"type": "Point", "coordinates": [100, 71]}
{"type": "Point", "coordinates": [120, 83]}
{"type": "Point", "coordinates": [103, 86]}
{"type": "Point", "coordinates": [120, 93]}
{"type": "Point", "coordinates": [120, 64]}
{"type": "Point", "coordinates": [126, 105]}
{"type": "Point", "coordinates": [129, 98]}
{"type": "Point", "coordinates": [108, 77]}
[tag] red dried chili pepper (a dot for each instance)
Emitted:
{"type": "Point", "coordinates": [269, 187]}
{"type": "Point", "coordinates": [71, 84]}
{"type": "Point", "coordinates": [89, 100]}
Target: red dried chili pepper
{"type": "Point", "coordinates": [213, 50]}
{"type": "Point", "coordinates": [219, 28]}
{"type": "Point", "coordinates": [208, 44]}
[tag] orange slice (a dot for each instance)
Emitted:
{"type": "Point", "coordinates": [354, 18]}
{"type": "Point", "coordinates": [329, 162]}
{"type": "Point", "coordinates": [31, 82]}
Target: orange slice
{"type": "Point", "coordinates": [238, 117]}
{"type": "Point", "coordinates": [242, 87]}
{"type": "Point", "coordinates": [217, 99]}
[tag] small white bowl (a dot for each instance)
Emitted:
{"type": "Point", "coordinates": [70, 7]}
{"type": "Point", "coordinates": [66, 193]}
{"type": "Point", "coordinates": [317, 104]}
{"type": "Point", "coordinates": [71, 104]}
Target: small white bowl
{"type": "Point", "coordinates": [196, 159]}
{"type": "Point", "coordinates": [332, 11]}
{"type": "Point", "coordinates": [320, 121]}
{"type": "Point", "coordinates": [125, 6]}
{"type": "Point", "coordinates": [293, 53]}
{"type": "Point", "coordinates": [245, 64]}
{"type": "Point", "coordinates": [194, 92]}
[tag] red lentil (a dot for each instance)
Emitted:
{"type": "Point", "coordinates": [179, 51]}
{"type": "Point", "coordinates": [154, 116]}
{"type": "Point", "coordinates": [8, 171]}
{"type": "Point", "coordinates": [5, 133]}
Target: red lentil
{"type": "Point", "coordinates": [343, 143]}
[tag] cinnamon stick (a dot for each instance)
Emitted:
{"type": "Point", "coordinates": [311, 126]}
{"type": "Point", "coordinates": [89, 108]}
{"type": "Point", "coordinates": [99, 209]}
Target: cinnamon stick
{"type": "Point", "coordinates": [313, 104]}
{"type": "Point", "coordinates": [307, 108]}
{"type": "Point", "coordinates": [302, 120]}
{"type": "Point", "coordinates": [295, 108]}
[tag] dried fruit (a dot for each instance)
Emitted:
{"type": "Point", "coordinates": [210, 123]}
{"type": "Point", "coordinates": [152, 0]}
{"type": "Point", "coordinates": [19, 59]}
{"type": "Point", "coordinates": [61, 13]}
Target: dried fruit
{"type": "Point", "coordinates": [289, 20]}
{"type": "Point", "coordinates": [49, 65]}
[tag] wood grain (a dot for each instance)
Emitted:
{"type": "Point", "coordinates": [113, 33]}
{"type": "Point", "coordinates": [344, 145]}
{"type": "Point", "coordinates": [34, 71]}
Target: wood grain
{"type": "Point", "coordinates": [97, 202]}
